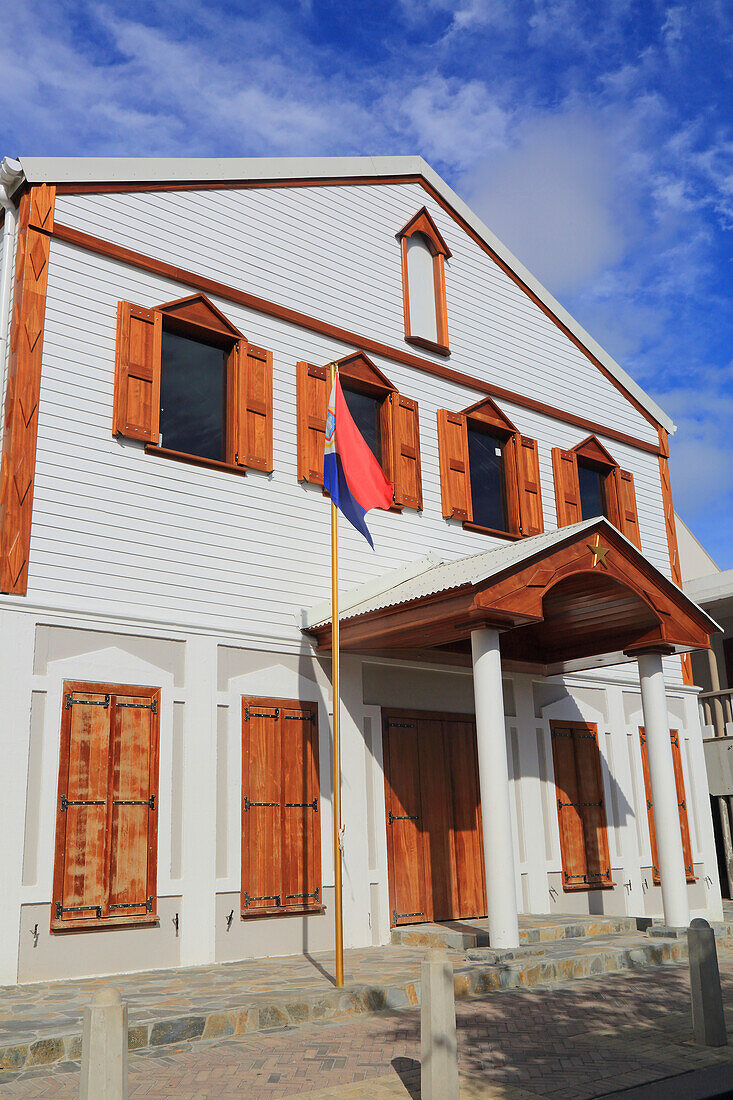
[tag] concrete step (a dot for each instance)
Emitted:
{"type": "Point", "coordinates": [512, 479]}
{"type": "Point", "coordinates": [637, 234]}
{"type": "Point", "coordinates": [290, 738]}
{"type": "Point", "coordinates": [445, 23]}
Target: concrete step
{"type": "Point", "coordinates": [541, 965]}
{"type": "Point", "coordinates": [466, 934]}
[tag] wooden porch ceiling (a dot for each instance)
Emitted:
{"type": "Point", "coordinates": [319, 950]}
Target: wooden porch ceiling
{"type": "Point", "coordinates": [590, 596]}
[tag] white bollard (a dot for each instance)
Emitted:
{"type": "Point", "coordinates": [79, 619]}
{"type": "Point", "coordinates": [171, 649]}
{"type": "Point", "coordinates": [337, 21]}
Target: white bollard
{"type": "Point", "coordinates": [438, 1042]}
{"type": "Point", "coordinates": [104, 1048]}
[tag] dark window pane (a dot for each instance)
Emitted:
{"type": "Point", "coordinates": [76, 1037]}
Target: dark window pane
{"type": "Point", "coordinates": [366, 413]}
{"type": "Point", "coordinates": [193, 397]}
{"type": "Point", "coordinates": [488, 491]}
{"type": "Point", "coordinates": [592, 496]}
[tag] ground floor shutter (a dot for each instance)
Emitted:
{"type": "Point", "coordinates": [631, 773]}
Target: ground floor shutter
{"type": "Point", "coordinates": [281, 833]}
{"type": "Point", "coordinates": [580, 807]}
{"type": "Point", "coordinates": [681, 802]}
{"type": "Point", "coordinates": [106, 831]}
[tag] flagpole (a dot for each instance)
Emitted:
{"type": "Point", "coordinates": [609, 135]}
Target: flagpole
{"type": "Point", "coordinates": [338, 908]}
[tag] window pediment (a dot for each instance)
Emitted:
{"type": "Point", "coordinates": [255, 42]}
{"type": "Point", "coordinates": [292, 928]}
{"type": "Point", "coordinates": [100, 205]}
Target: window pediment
{"type": "Point", "coordinates": [488, 412]}
{"type": "Point", "coordinates": [592, 450]}
{"type": "Point", "coordinates": [360, 370]}
{"type": "Point", "coordinates": [423, 223]}
{"type": "Point", "coordinates": [198, 311]}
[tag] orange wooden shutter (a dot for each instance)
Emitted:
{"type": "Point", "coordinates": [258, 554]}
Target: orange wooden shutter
{"type": "Point", "coordinates": [254, 441]}
{"type": "Point", "coordinates": [628, 516]}
{"type": "Point", "coordinates": [406, 470]}
{"type": "Point", "coordinates": [528, 480]}
{"type": "Point", "coordinates": [301, 831]}
{"type": "Point", "coordinates": [313, 391]}
{"type": "Point", "coordinates": [136, 412]}
{"type": "Point", "coordinates": [455, 475]}
{"type": "Point", "coordinates": [567, 488]}
{"type": "Point", "coordinates": [134, 812]}
{"type": "Point", "coordinates": [681, 802]}
{"type": "Point", "coordinates": [262, 878]}
{"type": "Point", "coordinates": [572, 838]}
{"type": "Point", "coordinates": [79, 891]}
{"type": "Point", "coordinates": [590, 784]}
{"type": "Point", "coordinates": [580, 807]}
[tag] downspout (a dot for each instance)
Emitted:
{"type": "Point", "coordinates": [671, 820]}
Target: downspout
{"type": "Point", "coordinates": [11, 176]}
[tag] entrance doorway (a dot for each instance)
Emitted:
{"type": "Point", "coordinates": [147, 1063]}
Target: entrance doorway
{"type": "Point", "coordinates": [432, 803]}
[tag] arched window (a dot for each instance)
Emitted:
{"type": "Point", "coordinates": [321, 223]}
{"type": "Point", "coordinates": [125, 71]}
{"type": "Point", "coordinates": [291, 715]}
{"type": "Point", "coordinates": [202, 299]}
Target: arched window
{"type": "Point", "coordinates": [423, 283]}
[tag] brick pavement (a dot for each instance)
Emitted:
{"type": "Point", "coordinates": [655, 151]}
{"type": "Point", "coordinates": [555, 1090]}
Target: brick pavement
{"type": "Point", "coordinates": [574, 1041]}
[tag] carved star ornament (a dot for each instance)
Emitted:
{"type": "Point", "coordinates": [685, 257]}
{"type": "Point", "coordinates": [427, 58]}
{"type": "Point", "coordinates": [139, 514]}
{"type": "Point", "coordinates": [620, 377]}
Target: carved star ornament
{"type": "Point", "coordinates": [599, 552]}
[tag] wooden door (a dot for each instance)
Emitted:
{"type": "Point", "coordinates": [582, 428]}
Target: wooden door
{"type": "Point", "coordinates": [435, 851]}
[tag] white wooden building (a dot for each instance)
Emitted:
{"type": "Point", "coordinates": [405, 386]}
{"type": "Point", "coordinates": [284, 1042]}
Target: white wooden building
{"type": "Point", "coordinates": [164, 565]}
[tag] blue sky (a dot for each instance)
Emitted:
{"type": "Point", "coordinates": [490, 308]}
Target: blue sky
{"type": "Point", "coordinates": [596, 139]}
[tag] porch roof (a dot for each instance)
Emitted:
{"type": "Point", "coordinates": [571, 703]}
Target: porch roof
{"type": "Point", "coordinates": [558, 603]}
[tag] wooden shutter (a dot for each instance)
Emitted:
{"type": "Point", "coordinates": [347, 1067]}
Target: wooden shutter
{"type": "Point", "coordinates": [628, 519]}
{"type": "Point", "coordinates": [313, 390]}
{"type": "Point", "coordinates": [406, 470]}
{"type": "Point", "coordinates": [567, 488]}
{"type": "Point", "coordinates": [528, 481]}
{"type": "Point", "coordinates": [580, 807]}
{"type": "Point", "coordinates": [281, 841]}
{"type": "Point", "coordinates": [106, 823]}
{"type": "Point", "coordinates": [134, 811]}
{"type": "Point", "coordinates": [254, 389]}
{"type": "Point", "coordinates": [136, 412]}
{"type": "Point", "coordinates": [681, 803]}
{"type": "Point", "coordinates": [455, 475]}
{"type": "Point", "coordinates": [301, 814]}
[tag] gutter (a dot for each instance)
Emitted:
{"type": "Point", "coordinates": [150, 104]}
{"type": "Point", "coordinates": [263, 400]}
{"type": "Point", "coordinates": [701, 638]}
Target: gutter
{"type": "Point", "coordinates": [11, 177]}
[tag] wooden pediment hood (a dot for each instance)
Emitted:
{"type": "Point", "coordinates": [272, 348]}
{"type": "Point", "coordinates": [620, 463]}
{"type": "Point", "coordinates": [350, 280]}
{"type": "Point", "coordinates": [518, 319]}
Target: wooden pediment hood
{"type": "Point", "coordinates": [585, 596]}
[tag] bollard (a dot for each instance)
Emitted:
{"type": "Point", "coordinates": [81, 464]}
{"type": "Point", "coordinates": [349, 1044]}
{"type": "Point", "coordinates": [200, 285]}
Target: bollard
{"type": "Point", "coordinates": [708, 1019]}
{"type": "Point", "coordinates": [104, 1048]}
{"type": "Point", "coordinates": [438, 1043]}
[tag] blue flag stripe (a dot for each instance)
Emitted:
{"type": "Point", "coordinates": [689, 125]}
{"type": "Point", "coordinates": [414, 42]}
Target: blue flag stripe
{"type": "Point", "coordinates": [334, 481]}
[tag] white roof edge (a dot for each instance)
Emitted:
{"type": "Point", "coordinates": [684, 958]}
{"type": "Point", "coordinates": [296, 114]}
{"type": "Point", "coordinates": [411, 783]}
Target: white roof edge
{"type": "Point", "coordinates": [711, 588]}
{"type": "Point", "coordinates": [180, 169]}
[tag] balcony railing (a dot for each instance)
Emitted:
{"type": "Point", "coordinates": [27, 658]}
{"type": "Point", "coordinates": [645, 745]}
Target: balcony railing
{"type": "Point", "coordinates": [716, 708]}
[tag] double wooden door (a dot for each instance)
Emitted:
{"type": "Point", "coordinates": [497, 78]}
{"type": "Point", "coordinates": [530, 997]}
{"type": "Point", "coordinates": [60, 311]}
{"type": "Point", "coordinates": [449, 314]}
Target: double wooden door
{"type": "Point", "coordinates": [434, 842]}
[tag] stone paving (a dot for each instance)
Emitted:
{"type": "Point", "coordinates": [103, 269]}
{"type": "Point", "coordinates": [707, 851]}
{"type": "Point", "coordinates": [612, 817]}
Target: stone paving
{"type": "Point", "coordinates": [574, 1042]}
{"type": "Point", "coordinates": [40, 1024]}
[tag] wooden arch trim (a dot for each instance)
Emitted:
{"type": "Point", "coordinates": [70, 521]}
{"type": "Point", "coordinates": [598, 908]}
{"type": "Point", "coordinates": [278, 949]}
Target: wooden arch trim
{"type": "Point", "coordinates": [423, 223]}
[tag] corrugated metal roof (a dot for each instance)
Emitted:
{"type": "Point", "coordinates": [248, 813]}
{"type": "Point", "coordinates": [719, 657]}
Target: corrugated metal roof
{"type": "Point", "coordinates": [428, 577]}
{"type": "Point", "coordinates": [227, 169]}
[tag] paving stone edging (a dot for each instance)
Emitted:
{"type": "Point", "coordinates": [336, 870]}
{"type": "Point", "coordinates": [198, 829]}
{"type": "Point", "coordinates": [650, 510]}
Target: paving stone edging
{"type": "Point", "coordinates": [455, 939]}
{"type": "Point", "coordinates": [261, 1014]}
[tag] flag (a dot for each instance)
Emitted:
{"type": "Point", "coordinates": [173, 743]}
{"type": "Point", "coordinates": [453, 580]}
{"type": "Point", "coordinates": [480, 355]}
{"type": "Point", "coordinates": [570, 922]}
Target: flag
{"type": "Point", "coordinates": [351, 473]}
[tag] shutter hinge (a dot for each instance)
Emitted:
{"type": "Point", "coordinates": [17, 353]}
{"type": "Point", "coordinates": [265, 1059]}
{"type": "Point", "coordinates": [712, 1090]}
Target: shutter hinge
{"type": "Point", "coordinates": [302, 805]}
{"type": "Point", "coordinates": [152, 706]}
{"type": "Point", "coordinates": [254, 714]}
{"type": "Point", "coordinates": [400, 725]}
{"type": "Point", "coordinates": [135, 802]}
{"type": "Point", "coordinates": [265, 897]}
{"type": "Point", "coordinates": [300, 717]}
{"type": "Point", "coordinates": [248, 805]}
{"type": "Point", "coordinates": [305, 897]}
{"type": "Point", "coordinates": [61, 909]}
{"type": "Point", "coordinates": [66, 802]}
{"type": "Point", "coordinates": [576, 804]}
{"type": "Point", "coordinates": [401, 817]}
{"type": "Point", "coordinates": [400, 916]}
{"type": "Point", "coordinates": [86, 702]}
{"type": "Point", "coordinates": [148, 903]}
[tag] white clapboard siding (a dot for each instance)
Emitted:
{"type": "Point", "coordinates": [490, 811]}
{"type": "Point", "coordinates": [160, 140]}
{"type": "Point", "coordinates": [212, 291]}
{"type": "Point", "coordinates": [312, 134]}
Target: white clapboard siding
{"type": "Point", "coordinates": [331, 252]}
{"type": "Point", "coordinates": [116, 531]}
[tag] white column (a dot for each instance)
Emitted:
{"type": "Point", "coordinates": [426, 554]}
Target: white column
{"type": "Point", "coordinates": [493, 775]}
{"type": "Point", "coordinates": [664, 791]}
{"type": "Point", "coordinates": [198, 936]}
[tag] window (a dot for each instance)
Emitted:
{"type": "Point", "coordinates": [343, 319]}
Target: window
{"type": "Point", "coordinates": [424, 253]}
{"type": "Point", "coordinates": [367, 413]}
{"type": "Point", "coordinates": [388, 420]}
{"type": "Point", "coordinates": [681, 803]}
{"type": "Point", "coordinates": [488, 480]}
{"type": "Point", "coordinates": [581, 811]}
{"type": "Point", "coordinates": [281, 820]}
{"type": "Point", "coordinates": [489, 472]}
{"type": "Point", "coordinates": [190, 386]}
{"type": "Point", "coordinates": [193, 397]}
{"type": "Point", "coordinates": [589, 483]}
{"type": "Point", "coordinates": [106, 819]}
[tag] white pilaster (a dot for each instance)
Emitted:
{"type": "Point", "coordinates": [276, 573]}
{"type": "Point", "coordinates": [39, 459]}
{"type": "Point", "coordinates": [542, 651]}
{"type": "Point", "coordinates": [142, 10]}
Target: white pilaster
{"type": "Point", "coordinates": [199, 803]}
{"type": "Point", "coordinates": [16, 669]}
{"type": "Point", "coordinates": [664, 791]}
{"type": "Point", "coordinates": [493, 772]}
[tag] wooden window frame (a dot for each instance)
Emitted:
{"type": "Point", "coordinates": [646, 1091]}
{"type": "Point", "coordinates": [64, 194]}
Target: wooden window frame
{"type": "Point", "coordinates": [604, 880]}
{"type": "Point", "coordinates": [423, 224]}
{"type": "Point", "coordinates": [303, 907]}
{"type": "Point", "coordinates": [616, 485]}
{"type": "Point", "coordinates": [107, 921]}
{"type": "Point", "coordinates": [485, 416]}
